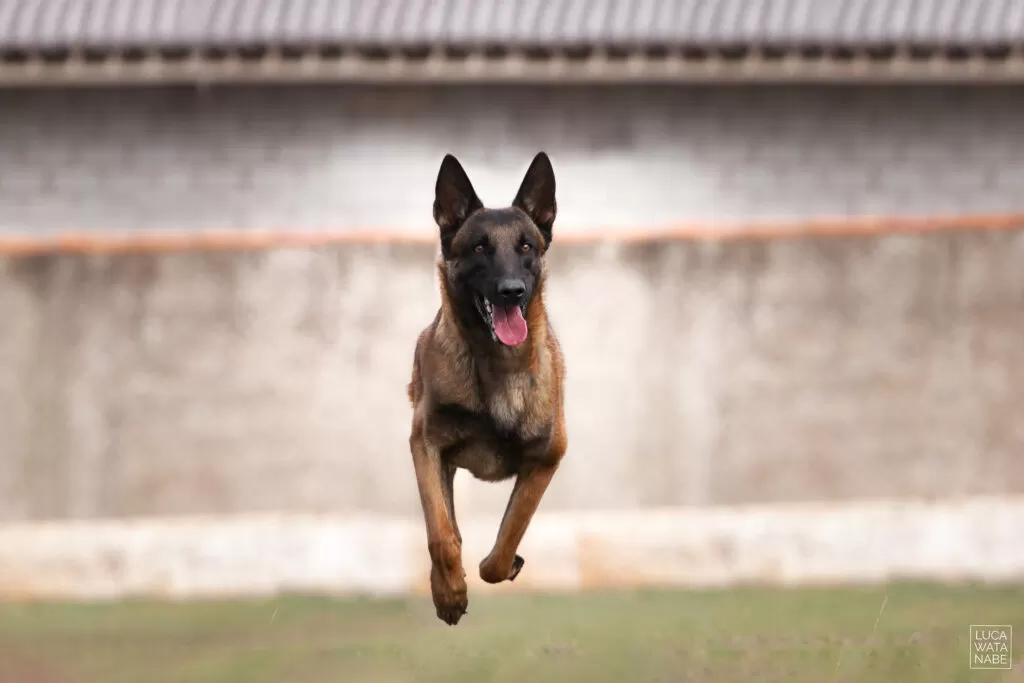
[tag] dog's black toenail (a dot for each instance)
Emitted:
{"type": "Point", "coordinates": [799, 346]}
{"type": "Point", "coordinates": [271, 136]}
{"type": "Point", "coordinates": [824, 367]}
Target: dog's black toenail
{"type": "Point", "coordinates": [517, 566]}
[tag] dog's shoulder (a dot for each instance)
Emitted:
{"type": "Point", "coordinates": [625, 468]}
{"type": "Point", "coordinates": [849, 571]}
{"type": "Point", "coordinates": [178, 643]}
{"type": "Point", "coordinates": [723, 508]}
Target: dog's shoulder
{"type": "Point", "coordinates": [443, 368]}
{"type": "Point", "coordinates": [415, 387]}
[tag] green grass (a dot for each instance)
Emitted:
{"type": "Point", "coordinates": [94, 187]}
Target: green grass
{"type": "Point", "coordinates": [768, 636]}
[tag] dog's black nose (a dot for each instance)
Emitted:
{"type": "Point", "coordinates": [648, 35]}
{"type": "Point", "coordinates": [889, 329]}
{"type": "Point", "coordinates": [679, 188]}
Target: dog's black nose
{"type": "Point", "coordinates": [511, 291]}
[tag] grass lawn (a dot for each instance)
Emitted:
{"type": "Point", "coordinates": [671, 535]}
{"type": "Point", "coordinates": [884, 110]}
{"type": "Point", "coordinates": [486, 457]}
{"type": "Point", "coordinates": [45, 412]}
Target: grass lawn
{"type": "Point", "coordinates": [895, 634]}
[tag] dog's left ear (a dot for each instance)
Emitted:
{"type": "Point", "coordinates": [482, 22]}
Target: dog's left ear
{"type": "Point", "coordinates": [536, 195]}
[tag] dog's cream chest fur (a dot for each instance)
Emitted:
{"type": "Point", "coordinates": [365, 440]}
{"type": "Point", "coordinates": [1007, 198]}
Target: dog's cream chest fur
{"type": "Point", "coordinates": [508, 402]}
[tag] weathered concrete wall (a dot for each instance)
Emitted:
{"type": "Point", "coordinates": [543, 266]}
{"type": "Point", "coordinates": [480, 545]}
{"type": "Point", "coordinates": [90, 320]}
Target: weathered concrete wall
{"type": "Point", "coordinates": [365, 157]}
{"type": "Point", "coordinates": [851, 542]}
{"type": "Point", "coordinates": [699, 373]}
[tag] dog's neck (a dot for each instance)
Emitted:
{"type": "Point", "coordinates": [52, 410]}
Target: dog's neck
{"type": "Point", "coordinates": [471, 331]}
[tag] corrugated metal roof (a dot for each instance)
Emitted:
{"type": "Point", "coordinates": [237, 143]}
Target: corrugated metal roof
{"type": "Point", "coordinates": [118, 24]}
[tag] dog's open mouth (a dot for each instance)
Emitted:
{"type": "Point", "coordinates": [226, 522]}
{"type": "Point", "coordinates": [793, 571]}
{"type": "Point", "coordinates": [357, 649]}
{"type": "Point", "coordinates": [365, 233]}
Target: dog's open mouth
{"type": "Point", "coordinates": [506, 323]}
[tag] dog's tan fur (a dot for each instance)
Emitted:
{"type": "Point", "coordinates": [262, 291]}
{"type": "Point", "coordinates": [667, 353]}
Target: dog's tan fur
{"type": "Point", "coordinates": [494, 410]}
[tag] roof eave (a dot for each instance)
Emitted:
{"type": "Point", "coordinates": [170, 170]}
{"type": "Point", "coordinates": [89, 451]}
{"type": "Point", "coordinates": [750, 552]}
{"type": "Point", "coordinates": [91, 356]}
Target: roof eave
{"type": "Point", "coordinates": [597, 67]}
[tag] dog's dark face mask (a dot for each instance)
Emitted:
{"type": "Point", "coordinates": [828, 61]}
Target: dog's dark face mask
{"type": "Point", "coordinates": [493, 257]}
{"type": "Point", "coordinates": [497, 263]}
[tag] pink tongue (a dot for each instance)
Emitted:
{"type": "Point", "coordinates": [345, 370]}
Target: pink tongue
{"type": "Point", "coordinates": [509, 325]}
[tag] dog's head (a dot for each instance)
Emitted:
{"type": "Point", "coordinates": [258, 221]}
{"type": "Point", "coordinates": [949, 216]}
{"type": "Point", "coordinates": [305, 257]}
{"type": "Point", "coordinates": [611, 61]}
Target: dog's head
{"type": "Point", "coordinates": [494, 257]}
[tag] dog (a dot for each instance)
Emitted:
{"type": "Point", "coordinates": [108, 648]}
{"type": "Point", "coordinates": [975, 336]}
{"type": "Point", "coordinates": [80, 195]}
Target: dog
{"type": "Point", "coordinates": [487, 377]}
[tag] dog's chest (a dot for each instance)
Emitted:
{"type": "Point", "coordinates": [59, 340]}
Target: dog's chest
{"type": "Point", "coordinates": [508, 399]}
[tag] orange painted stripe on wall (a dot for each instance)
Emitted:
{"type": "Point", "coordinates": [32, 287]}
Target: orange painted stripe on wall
{"type": "Point", "coordinates": [230, 240]}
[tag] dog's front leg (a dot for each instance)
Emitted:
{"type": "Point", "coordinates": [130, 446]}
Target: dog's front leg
{"type": "Point", "coordinates": [448, 481]}
{"type": "Point", "coordinates": [447, 578]}
{"type": "Point", "coordinates": [503, 564]}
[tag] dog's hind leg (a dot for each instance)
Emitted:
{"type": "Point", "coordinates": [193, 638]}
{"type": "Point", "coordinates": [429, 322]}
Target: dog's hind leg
{"type": "Point", "coordinates": [503, 564]}
{"type": "Point", "coordinates": [447, 578]}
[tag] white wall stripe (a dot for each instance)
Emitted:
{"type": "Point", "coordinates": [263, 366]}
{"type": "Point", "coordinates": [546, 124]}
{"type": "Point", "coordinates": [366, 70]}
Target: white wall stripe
{"type": "Point", "coordinates": [857, 542]}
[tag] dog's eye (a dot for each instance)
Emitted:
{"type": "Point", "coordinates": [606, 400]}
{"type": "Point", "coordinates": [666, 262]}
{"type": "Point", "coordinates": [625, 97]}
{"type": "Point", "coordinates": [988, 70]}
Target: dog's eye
{"type": "Point", "coordinates": [479, 248]}
{"type": "Point", "coordinates": [525, 248]}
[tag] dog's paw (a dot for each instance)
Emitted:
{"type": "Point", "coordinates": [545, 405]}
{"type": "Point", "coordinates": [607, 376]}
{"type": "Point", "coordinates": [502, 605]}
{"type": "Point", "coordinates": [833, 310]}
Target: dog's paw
{"type": "Point", "coordinates": [449, 594]}
{"type": "Point", "coordinates": [451, 612]}
{"type": "Point", "coordinates": [491, 572]}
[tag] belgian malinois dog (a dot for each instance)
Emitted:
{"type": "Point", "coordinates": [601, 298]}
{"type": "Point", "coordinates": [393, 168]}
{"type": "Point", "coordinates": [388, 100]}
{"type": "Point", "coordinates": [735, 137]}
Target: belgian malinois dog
{"type": "Point", "coordinates": [487, 375]}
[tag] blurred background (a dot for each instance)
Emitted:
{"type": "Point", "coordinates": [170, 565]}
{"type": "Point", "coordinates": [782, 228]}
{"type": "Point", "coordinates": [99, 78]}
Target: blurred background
{"type": "Point", "coordinates": [787, 274]}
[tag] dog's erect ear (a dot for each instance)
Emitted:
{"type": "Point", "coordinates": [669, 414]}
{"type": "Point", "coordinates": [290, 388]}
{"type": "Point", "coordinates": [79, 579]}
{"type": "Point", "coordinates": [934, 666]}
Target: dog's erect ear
{"type": "Point", "coordinates": [454, 200]}
{"type": "Point", "coordinates": [536, 195]}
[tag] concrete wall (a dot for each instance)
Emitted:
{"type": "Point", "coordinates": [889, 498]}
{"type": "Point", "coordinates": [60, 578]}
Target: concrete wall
{"type": "Point", "coordinates": [981, 539]}
{"type": "Point", "coordinates": [364, 157]}
{"type": "Point", "coordinates": [699, 373]}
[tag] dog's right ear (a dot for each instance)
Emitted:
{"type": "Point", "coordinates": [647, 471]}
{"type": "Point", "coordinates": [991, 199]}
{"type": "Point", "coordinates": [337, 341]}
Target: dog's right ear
{"type": "Point", "coordinates": [455, 200]}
